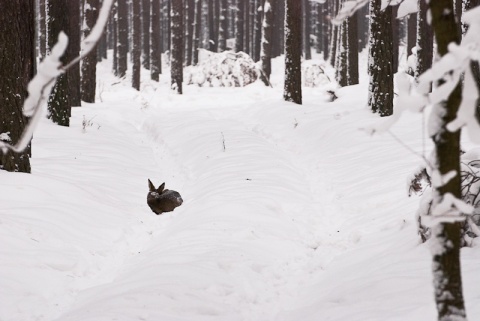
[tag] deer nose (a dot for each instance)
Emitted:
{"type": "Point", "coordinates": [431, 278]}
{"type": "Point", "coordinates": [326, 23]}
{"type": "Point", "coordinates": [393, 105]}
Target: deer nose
{"type": "Point", "coordinates": [179, 200]}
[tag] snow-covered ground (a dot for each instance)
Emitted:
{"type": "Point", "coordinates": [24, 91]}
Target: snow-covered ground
{"type": "Point", "coordinates": [290, 212]}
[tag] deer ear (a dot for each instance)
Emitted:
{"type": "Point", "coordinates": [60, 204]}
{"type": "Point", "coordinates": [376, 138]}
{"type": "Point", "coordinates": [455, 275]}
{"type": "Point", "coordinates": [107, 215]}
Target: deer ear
{"type": "Point", "coordinates": [150, 186]}
{"type": "Point", "coordinates": [160, 188]}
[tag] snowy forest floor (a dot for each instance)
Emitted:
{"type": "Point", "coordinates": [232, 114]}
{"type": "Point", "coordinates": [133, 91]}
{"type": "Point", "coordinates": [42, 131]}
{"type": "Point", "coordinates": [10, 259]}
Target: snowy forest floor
{"type": "Point", "coordinates": [291, 212]}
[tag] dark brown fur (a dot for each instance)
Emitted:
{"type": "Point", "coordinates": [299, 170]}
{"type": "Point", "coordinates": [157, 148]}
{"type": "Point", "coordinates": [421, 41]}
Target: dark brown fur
{"type": "Point", "coordinates": [162, 200]}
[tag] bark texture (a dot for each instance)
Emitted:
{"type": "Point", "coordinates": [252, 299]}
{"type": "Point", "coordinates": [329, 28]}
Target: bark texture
{"type": "Point", "coordinates": [380, 67]}
{"type": "Point", "coordinates": [59, 106]}
{"type": "Point", "coordinates": [137, 44]}
{"type": "Point", "coordinates": [89, 63]}
{"type": "Point", "coordinates": [155, 48]}
{"type": "Point", "coordinates": [177, 45]}
{"type": "Point", "coordinates": [293, 51]}
{"type": "Point", "coordinates": [122, 34]}
{"type": "Point", "coordinates": [17, 65]}
{"type": "Point", "coordinates": [446, 259]}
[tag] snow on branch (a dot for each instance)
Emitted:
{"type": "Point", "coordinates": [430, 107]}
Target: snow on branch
{"type": "Point", "coordinates": [40, 87]}
{"type": "Point", "coordinates": [449, 69]}
{"type": "Point", "coordinates": [350, 7]}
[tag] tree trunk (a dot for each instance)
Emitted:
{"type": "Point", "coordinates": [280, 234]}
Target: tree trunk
{"type": "Point", "coordinates": [146, 34]}
{"type": "Point", "coordinates": [59, 105]}
{"type": "Point", "coordinates": [246, 32]}
{"type": "Point", "coordinates": [42, 29]}
{"type": "Point", "coordinates": [266, 52]}
{"type": "Point", "coordinates": [177, 45]}
{"type": "Point", "coordinates": [197, 30]}
{"type": "Point", "coordinates": [17, 65]}
{"type": "Point", "coordinates": [155, 36]}
{"type": "Point", "coordinates": [223, 30]}
{"type": "Point", "coordinates": [342, 55]}
{"type": "Point", "coordinates": [258, 30]}
{"type": "Point", "coordinates": [306, 29]}
{"type": "Point", "coordinates": [446, 255]}
{"type": "Point", "coordinates": [239, 25]}
{"type": "Point", "coordinates": [293, 51]}
{"type": "Point", "coordinates": [396, 37]}
{"type": "Point", "coordinates": [326, 28]}
{"type": "Point", "coordinates": [411, 33]}
{"type": "Point", "coordinates": [190, 16]}
{"type": "Point", "coordinates": [122, 34]}
{"type": "Point", "coordinates": [114, 20]}
{"type": "Point", "coordinates": [137, 44]}
{"type": "Point", "coordinates": [380, 93]}
{"type": "Point", "coordinates": [335, 33]}
{"type": "Point", "coordinates": [73, 50]}
{"type": "Point", "coordinates": [424, 40]}
{"type": "Point", "coordinates": [352, 40]}
{"type": "Point", "coordinates": [278, 44]}
{"type": "Point", "coordinates": [89, 63]}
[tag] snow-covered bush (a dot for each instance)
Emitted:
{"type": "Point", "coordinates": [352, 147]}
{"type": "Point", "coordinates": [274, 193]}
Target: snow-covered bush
{"type": "Point", "coordinates": [314, 76]}
{"type": "Point", "coordinates": [470, 186]}
{"type": "Point", "coordinates": [225, 69]}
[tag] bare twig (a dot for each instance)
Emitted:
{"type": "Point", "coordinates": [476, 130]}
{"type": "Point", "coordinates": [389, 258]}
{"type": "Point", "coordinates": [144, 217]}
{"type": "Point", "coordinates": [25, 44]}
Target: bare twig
{"type": "Point", "coordinates": [49, 69]}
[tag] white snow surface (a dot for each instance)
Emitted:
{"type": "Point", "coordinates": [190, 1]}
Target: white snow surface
{"type": "Point", "coordinates": [290, 212]}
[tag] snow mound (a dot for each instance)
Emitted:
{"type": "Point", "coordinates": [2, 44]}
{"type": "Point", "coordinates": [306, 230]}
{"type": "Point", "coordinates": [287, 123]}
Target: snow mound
{"type": "Point", "coordinates": [226, 69]}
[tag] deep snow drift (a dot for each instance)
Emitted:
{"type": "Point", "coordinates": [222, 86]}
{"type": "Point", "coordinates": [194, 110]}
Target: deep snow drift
{"type": "Point", "coordinates": [290, 212]}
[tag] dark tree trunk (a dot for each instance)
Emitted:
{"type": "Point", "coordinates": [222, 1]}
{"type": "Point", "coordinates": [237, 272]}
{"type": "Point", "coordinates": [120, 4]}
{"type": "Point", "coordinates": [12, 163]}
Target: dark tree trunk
{"type": "Point", "coordinates": [114, 20]}
{"type": "Point", "coordinates": [293, 52]}
{"type": "Point", "coordinates": [424, 40]}
{"type": "Point", "coordinates": [258, 29]}
{"type": "Point", "coordinates": [223, 30]}
{"type": "Point", "coordinates": [446, 259]}
{"type": "Point", "coordinates": [306, 29]}
{"type": "Point", "coordinates": [212, 44]}
{"type": "Point", "coordinates": [137, 44]}
{"type": "Point", "coordinates": [89, 63]}
{"type": "Point", "coordinates": [353, 77]}
{"type": "Point", "coordinates": [335, 34]}
{"type": "Point", "coordinates": [326, 28]}
{"type": "Point", "coordinates": [239, 25]}
{"type": "Point", "coordinates": [169, 24]}
{"type": "Point", "coordinates": [411, 33]}
{"type": "Point", "coordinates": [396, 38]}
{"type": "Point", "coordinates": [197, 30]}
{"type": "Point", "coordinates": [122, 34]}
{"type": "Point", "coordinates": [155, 36]}
{"type": "Point", "coordinates": [146, 34]}
{"type": "Point", "coordinates": [190, 16]}
{"type": "Point", "coordinates": [177, 45]}
{"type": "Point", "coordinates": [380, 95]}
{"type": "Point", "coordinates": [246, 30]}
{"type": "Point", "coordinates": [266, 52]}
{"type": "Point", "coordinates": [217, 23]}
{"type": "Point", "coordinates": [362, 28]}
{"type": "Point", "coordinates": [342, 55]}
{"type": "Point", "coordinates": [42, 29]}
{"type": "Point", "coordinates": [319, 32]}
{"type": "Point", "coordinates": [73, 50]}
{"type": "Point", "coordinates": [59, 105]}
{"type": "Point", "coordinates": [278, 44]}
{"type": "Point", "coordinates": [17, 65]}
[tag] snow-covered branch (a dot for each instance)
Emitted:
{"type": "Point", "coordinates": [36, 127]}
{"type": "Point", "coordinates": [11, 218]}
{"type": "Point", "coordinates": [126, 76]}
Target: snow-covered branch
{"type": "Point", "coordinates": [49, 69]}
{"type": "Point", "coordinates": [350, 7]}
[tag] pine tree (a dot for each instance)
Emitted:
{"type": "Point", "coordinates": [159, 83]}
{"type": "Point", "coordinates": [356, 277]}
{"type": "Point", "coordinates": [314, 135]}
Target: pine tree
{"type": "Point", "coordinates": [197, 30]}
{"type": "Point", "coordinates": [411, 33]}
{"type": "Point", "coordinates": [223, 30]}
{"type": "Point", "coordinates": [306, 29]}
{"type": "Point", "coordinates": [447, 236]}
{"type": "Point", "coordinates": [42, 29]}
{"type": "Point", "coordinates": [146, 34]}
{"type": "Point", "coordinates": [352, 35]}
{"type": "Point", "coordinates": [122, 34]}
{"type": "Point", "coordinates": [137, 44]}
{"type": "Point", "coordinates": [73, 50]}
{"type": "Point", "coordinates": [380, 67]}
{"type": "Point", "coordinates": [59, 106]}
{"type": "Point", "coordinates": [17, 65]}
{"type": "Point", "coordinates": [155, 36]}
{"type": "Point", "coordinates": [293, 51]}
{"type": "Point", "coordinates": [239, 25]}
{"type": "Point", "coordinates": [89, 63]}
{"type": "Point", "coordinates": [266, 52]}
{"type": "Point", "coordinates": [424, 40]}
{"type": "Point", "coordinates": [177, 45]}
